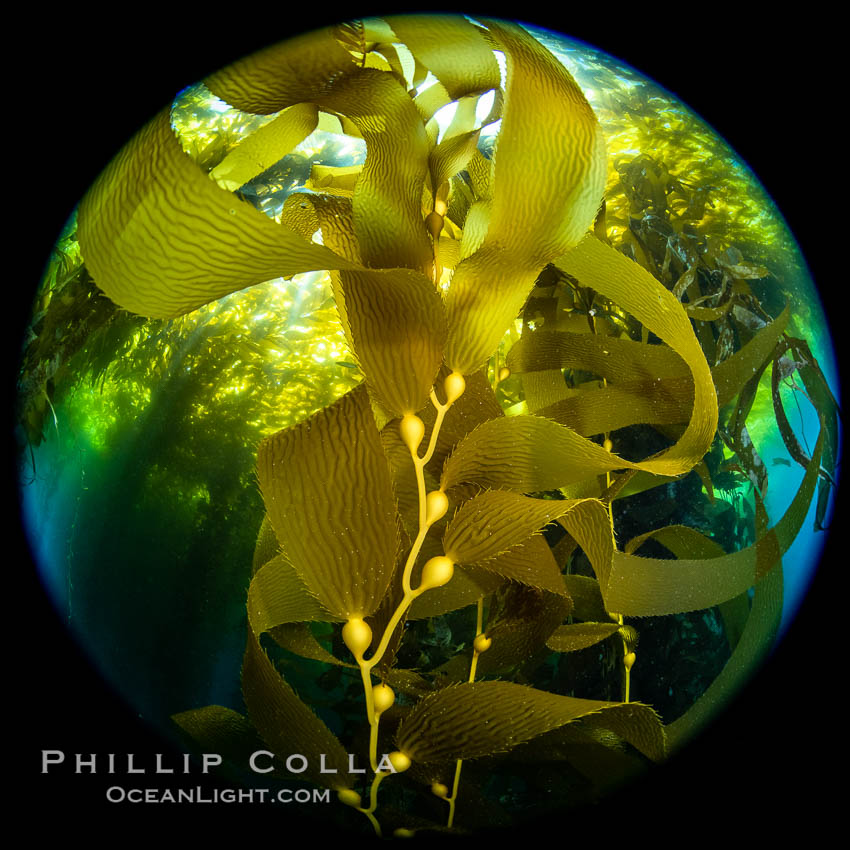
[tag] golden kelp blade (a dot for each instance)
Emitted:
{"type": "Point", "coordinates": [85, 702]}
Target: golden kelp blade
{"type": "Point", "coordinates": [528, 454]}
{"type": "Point", "coordinates": [451, 156]}
{"type": "Point", "coordinates": [492, 523]}
{"type": "Point", "coordinates": [278, 595]}
{"type": "Point", "coordinates": [478, 719]}
{"type": "Point", "coordinates": [631, 287]}
{"type": "Point", "coordinates": [530, 563]}
{"type": "Point", "coordinates": [295, 71]}
{"type": "Point", "coordinates": [298, 639]}
{"type": "Point", "coordinates": [387, 199]}
{"type": "Point", "coordinates": [616, 360]}
{"type": "Point", "coordinates": [313, 477]}
{"type": "Point", "coordinates": [632, 396]}
{"type": "Point", "coordinates": [161, 239]}
{"type": "Point", "coordinates": [266, 547]}
{"type": "Point", "coordinates": [588, 523]}
{"type": "Point", "coordinates": [268, 145]}
{"type": "Point", "coordinates": [452, 48]}
{"type": "Point", "coordinates": [547, 184]}
{"type": "Point", "coordinates": [398, 329]}
{"type": "Point", "coordinates": [571, 638]}
{"type": "Point", "coordinates": [604, 409]}
{"type": "Point", "coordinates": [287, 724]}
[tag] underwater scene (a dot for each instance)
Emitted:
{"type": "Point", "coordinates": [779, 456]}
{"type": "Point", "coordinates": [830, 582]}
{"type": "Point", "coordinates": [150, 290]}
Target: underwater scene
{"type": "Point", "coordinates": [438, 406]}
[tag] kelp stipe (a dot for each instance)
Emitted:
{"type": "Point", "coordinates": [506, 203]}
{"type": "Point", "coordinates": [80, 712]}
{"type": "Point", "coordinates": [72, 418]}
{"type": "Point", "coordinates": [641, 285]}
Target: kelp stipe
{"type": "Point", "coordinates": [413, 496]}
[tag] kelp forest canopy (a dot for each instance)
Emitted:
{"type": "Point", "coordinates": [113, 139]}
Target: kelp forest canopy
{"type": "Point", "coordinates": [488, 351]}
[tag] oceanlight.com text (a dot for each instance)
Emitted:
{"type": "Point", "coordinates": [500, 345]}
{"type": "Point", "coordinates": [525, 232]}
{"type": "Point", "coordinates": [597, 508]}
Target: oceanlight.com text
{"type": "Point", "coordinates": [119, 794]}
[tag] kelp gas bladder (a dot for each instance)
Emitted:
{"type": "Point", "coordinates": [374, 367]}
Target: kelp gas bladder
{"type": "Point", "coordinates": [414, 495]}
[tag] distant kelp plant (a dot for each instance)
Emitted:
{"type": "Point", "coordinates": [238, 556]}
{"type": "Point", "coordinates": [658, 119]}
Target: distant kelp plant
{"type": "Point", "coordinates": [529, 369]}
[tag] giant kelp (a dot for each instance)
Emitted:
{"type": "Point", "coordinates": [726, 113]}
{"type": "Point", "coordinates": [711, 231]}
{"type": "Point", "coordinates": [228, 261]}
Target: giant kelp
{"type": "Point", "coordinates": [413, 495]}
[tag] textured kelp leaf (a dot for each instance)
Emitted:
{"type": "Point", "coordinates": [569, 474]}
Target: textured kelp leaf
{"type": "Point", "coordinates": [352, 36]}
{"type": "Point", "coordinates": [267, 545]}
{"type": "Point", "coordinates": [478, 719]}
{"type": "Point", "coordinates": [380, 63]}
{"type": "Point", "coordinates": [686, 542]}
{"type": "Point", "coordinates": [161, 239]}
{"type": "Point", "coordinates": [452, 48]}
{"type": "Point", "coordinates": [639, 483]}
{"type": "Point", "coordinates": [398, 330]}
{"type": "Point", "coordinates": [642, 587]}
{"type": "Point", "coordinates": [735, 613]}
{"type": "Point", "coordinates": [544, 389]}
{"type": "Point", "coordinates": [388, 196]}
{"type": "Point", "coordinates": [266, 146]}
{"type": "Point", "coordinates": [682, 540]}
{"type": "Point", "coordinates": [451, 156]}
{"type": "Point", "coordinates": [589, 524]}
{"type": "Point", "coordinates": [496, 521]}
{"type": "Point", "coordinates": [299, 215]}
{"type": "Point", "coordinates": [277, 594]}
{"type": "Point", "coordinates": [642, 728]}
{"type": "Point", "coordinates": [530, 563]}
{"type": "Point", "coordinates": [604, 409]}
{"type": "Point", "coordinates": [298, 639]}
{"type": "Point", "coordinates": [623, 281]}
{"type": "Point", "coordinates": [300, 69]}
{"type": "Point", "coordinates": [431, 100]}
{"type": "Point", "coordinates": [332, 213]}
{"type": "Point", "coordinates": [616, 360]}
{"type": "Point", "coordinates": [465, 119]}
{"type": "Point", "coordinates": [560, 152]}
{"type": "Point", "coordinates": [480, 170]}
{"type": "Point", "coordinates": [449, 252]}
{"type": "Point", "coordinates": [409, 682]}
{"type": "Point", "coordinates": [487, 458]}
{"type": "Point", "coordinates": [528, 454]}
{"type": "Point", "coordinates": [579, 636]}
{"type": "Point", "coordinates": [314, 478]}
{"type": "Point", "coordinates": [647, 383]}
{"type": "Point", "coordinates": [334, 177]}
{"type": "Point", "coordinates": [475, 227]}
{"type": "Point", "coordinates": [286, 724]}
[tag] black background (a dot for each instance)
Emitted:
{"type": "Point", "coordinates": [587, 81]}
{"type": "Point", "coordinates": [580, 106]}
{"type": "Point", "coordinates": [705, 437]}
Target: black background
{"type": "Point", "coordinates": [79, 87]}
